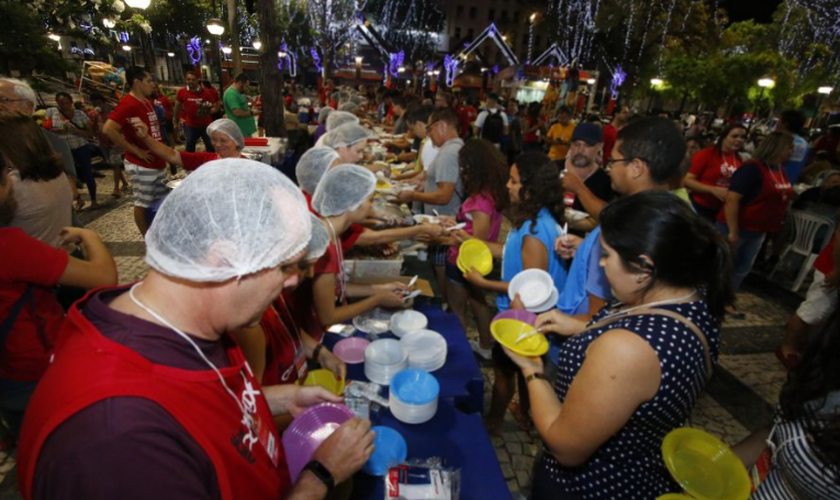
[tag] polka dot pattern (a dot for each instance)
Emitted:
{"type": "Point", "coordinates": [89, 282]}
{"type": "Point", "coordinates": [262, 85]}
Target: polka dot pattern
{"type": "Point", "coordinates": [629, 465]}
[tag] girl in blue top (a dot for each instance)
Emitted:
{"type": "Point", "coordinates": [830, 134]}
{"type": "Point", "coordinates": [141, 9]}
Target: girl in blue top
{"type": "Point", "coordinates": [536, 195]}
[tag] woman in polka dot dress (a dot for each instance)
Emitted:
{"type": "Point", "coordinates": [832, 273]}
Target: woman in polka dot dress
{"type": "Point", "coordinates": [634, 372]}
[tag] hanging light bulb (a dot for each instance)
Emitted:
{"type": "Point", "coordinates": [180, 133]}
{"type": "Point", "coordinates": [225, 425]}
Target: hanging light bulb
{"type": "Point", "coordinates": [257, 44]}
{"type": "Point", "coordinates": [227, 50]}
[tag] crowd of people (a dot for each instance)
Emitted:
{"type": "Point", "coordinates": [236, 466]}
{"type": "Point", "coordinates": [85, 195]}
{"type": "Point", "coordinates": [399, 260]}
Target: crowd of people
{"type": "Point", "coordinates": [646, 227]}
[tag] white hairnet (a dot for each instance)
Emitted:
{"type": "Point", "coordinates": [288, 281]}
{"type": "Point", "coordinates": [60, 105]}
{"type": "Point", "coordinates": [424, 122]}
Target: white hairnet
{"type": "Point", "coordinates": [343, 189]}
{"type": "Point", "coordinates": [312, 165]}
{"type": "Point", "coordinates": [343, 97]}
{"type": "Point", "coordinates": [346, 135]}
{"type": "Point", "coordinates": [229, 219]}
{"type": "Point", "coordinates": [230, 129]}
{"type": "Point", "coordinates": [349, 107]}
{"type": "Point", "coordinates": [357, 99]}
{"type": "Point", "coordinates": [339, 118]}
{"type": "Point", "coordinates": [323, 113]}
{"type": "Point", "coordinates": [320, 240]}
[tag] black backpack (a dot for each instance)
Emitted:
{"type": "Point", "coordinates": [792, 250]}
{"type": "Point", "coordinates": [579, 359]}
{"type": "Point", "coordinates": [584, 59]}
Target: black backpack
{"type": "Point", "coordinates": [494, 127]}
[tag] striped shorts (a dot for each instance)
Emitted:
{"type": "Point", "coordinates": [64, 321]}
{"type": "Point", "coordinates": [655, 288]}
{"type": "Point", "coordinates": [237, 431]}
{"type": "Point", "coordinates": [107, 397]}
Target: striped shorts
{"type": "Point", "coordinates": [146, 183]}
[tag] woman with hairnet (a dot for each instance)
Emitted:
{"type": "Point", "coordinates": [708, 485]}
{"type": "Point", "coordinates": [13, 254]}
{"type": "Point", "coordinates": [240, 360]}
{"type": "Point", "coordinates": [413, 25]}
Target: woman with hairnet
{"type": "Point", "coordinates": [344, 197]}
{"type": "Point", "coordinates": [225, 135]}
{"type": "Point", "coordinates": [349, 141]}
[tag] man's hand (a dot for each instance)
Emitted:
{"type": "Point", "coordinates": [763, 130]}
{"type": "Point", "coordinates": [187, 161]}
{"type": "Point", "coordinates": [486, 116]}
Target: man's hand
{"type": "Point", "coordinates": [572, 182]}
{"type": "Point", "coordinates": [347, 449]}
{"type": "Point", "coordinates": [294, 399]}
{"type": "Point", "coordinates": [406, 196]}
{"type": "Point", "coordinates": [330, 362]}
{"type": "Point", "coordinates": [140, 128]}
{"type": "Point", "coordinates": [143, 154]}
{"type": "Point", "coordinates": [434, 230]}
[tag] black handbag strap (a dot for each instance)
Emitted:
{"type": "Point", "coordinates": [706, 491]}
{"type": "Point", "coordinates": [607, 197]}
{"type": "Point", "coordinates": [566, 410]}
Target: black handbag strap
{"type": "Point", "coordinates": [11, 319]}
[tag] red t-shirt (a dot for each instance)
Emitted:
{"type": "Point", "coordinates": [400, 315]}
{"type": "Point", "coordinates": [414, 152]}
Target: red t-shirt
{"type": "Point", "coordinates": [26, 353]}
{"type": "Point", "coordinates": [610, 135]}
{"type": "Point", "coordinates": [825, 261]}
{"type": "Point", "coordinates": [348, 237]}
{"type": "Point", "coordinates": [285, 357]}
{"type": "Point", "coordinates": [192, 161]}
{"type": "Point", "coordinates": [712, 169]}
{"type": "Point", "coordinates": [133, 107]}
{"type": "Point", "coordinates": [530, 121]}
{"type": "Point", "coordinates": [467, 115]}
{"type": "Point", "coordinates": [195, 115]}
{"type": "Point", "coordinates": [166, 104]}
{"type": "Point", "coordinates": [329, 264]}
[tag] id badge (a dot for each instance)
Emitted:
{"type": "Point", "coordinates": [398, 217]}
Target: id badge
{"type": "Point", "coordinates": [267, 439]}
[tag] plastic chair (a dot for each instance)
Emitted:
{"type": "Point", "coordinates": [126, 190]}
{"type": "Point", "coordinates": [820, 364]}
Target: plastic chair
{"type": "Point", "coordinates": [820, 177]}
{"type": "Point", "coordinates": [806, 226]}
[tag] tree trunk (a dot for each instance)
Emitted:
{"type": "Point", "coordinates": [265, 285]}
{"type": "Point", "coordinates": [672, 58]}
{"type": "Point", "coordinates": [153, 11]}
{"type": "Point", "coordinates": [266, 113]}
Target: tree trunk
{"type": "Point", "coordinates": [233, 25]}
{"type": "Point", "coordinates": [271, 84]}
{"type": "Point", "coordinates": [148, 50]}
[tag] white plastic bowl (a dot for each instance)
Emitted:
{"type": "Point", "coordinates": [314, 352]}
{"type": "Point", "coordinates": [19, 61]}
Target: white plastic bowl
{"type": "Point", "coordinates": [550, 302]}
{"type": "Point", "coordinates": [383, 359]}
{"type": "Point", "coordinates": [426, 349]}
{"type": "Point", "coordinates": [408, 321]}
{"type": "Point", "coordinates": [534, 287]}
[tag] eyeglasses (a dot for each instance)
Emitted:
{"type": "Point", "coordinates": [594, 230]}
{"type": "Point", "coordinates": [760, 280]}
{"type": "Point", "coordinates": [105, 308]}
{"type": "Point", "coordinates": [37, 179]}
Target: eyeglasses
{"type": "Point", "coordinates": [6, 99]}
{"type": "Point", "coordinates": [609, 163]}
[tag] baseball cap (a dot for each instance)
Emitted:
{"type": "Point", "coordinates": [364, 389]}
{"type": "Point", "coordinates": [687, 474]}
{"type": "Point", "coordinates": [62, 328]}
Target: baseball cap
{"type": "Point", "coordinates": [588, 133]}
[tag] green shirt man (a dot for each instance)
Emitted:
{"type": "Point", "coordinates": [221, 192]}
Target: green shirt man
{"type": "Point", "coordinates": [236, 106]}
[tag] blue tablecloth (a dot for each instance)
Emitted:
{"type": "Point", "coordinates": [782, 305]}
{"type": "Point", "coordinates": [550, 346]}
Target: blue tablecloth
{"type": "Point", "coordinates": [457, 437]}
{"type": "Point", "coordinates": [460, 378]}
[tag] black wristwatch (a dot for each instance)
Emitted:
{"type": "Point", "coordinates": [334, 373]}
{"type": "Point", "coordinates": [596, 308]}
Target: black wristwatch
{"type": "Point", "coordinates": [321, 473]}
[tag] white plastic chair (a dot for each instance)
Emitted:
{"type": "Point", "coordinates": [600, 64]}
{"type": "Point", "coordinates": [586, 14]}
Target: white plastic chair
{"type": "Point", "coordinates": [806, 226]}
{"type": "Point", "coordinates": [820, 177]}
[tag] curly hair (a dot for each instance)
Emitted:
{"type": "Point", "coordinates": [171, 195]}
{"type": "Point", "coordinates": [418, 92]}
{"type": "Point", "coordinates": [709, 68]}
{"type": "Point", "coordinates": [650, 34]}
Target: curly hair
{"type": "Point", "coordinates": [484, 169]}
{"type": "Point", "coordinates": [541, 188]}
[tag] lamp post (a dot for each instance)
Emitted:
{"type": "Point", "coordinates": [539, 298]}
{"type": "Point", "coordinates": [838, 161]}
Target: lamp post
{"type": "Point", "coordinates": [359, 60]}
{"type": "Point", "coordinates": [655, 84]}
{"type": "Point", "coordinates": [217, 29]}
{"type": "Point", "coordinates": [823, 91]}
{"type": "Point", "coordinates": [763, 83]}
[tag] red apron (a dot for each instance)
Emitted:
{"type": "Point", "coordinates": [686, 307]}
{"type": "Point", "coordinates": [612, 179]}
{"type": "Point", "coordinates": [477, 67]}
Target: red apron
{"type": "Point", "coordinates": [87, 368]}
{"type": "Point", "coordinates": [285, 356]}
{"type": "Point", "coordinates": [766, 212]}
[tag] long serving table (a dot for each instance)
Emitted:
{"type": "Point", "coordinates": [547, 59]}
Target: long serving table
{"type": "Point", "coordinates": [456, 432]}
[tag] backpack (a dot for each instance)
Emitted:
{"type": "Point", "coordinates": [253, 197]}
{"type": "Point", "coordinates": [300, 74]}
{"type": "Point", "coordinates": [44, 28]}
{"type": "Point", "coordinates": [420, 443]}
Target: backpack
{"type": "Point", "coordinates": [494, 127]}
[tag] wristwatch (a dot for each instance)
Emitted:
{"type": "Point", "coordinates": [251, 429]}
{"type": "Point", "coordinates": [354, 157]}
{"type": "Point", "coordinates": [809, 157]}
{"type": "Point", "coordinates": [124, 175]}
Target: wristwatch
{"type": "Point", "coordinates": [321, 473]}
{"type": "Point", "coordinates": [534, 376]}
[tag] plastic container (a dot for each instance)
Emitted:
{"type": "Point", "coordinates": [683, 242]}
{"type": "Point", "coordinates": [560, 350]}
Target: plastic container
{"type": "Point", "coordinates": [704, 466]}
{"type": "Point", "coordinates": [389, 450]}
{"type": "Point", "coordinates": [413, 398]}
{"type": "Point", "coordinates": [506, 331]}
{"type": "Point", "coordinates": [517, 314]}
{"type": "Point", "coordinates": [550, 302]}
{"type": "Point", "coordinates": [475, 253]}
{"type": "Point", "coordinates": [426, 350]}
{"type": "Point", "coordinates": [326, 379]}
{"type": "Point", "coordinates": [408, 321]}
{"type": "Point", "coordinates": [351, 350]}
{"type": "Point", "coordinates": [306, 433]}
{"type": "Point", "coordinates": [383, 359]}
{"type": "Point", "coordinates": [534, 287]}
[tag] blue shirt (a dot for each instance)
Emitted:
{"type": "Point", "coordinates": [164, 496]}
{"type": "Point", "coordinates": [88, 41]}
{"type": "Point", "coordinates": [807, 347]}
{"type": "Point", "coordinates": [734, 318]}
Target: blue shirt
{"type": "Point", "coordinates": [586, 276]}
{"type": "Point", "coordinates": [545, 230]}
{"type": "Point", "coordinates": [794, 166]}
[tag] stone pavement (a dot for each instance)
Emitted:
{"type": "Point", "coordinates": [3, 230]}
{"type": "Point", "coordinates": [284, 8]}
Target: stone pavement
{"type": "Point", "coordinates": [740, 398]}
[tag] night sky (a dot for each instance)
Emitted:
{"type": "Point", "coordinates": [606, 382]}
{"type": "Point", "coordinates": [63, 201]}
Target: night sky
{"type": "Point", "coordinates": [760, 10]}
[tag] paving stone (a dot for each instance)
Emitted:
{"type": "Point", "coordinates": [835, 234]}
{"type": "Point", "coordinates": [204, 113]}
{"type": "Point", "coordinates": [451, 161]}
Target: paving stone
{"type": "Point", "coordinates": [515, 448]}
{"type": "Point", "coordinates": [530, 449]}
{"type": "Point", "coordinates": [523, 478]}
{"type": "Point", "coordinates": [513, 487]}
{"type": "Point", "coordinates": [507, 471]}
{"type": "Point", "coordinates": [510, 437]}
{"type": "Point", "coordinates": [524, 436]}
{"type": "Point", "coordinates": [522, 463]}
{"type": "Point", "coordinates": [497, 441]}
{"type": "Point", "coordinates": [502, 455]}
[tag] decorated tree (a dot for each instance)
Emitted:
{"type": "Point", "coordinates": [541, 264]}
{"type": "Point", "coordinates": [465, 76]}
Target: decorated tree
{"type": "Point", "coordinates": [410, 26]}
{"type": "Point", "coordinates": [24, 43]}
{"type": "Point", "coordinates": [333, 25]}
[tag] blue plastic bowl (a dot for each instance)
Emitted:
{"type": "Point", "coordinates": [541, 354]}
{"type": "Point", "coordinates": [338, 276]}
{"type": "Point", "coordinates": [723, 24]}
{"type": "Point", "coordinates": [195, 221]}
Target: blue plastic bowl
{"type": "Point", "coordinates": [415, 387]}
{"type": "Point", "coordinates": [389, 450]}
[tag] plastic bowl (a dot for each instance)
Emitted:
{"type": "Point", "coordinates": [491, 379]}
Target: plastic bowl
{"type": "Point", "coordinates": [408, 321]}
{"type": "Point", "coordinates": [475, 253]}
{"type": "Point", "coordinates": [306, 433]}
{"type": "Point", "coordinates": [517, 314]}
{"type": "Point", "coordinates": [550, 302]}
{"type": "Point", "coordinates": [351, 350]}
{"type": "Point", "coordinates": [389, 449]}
{"type": "Point", "coordinates": [326, 379]}
{"type": "Point", "coordinates": [506, 331]}
{"type": "Point", "coordinates": [534, 287]}
{"type": "Point", "coordinates": [426, 349]}
{"type": "Point", "coordinates": [383, 359]}
{"type": "Point", "coordinates": [704, 466]}
{"type": "Point", "coordinates": [413, 397]}
{"type": "Point", "coordinates": [424, 219]}
{"type": "Point", "coordinates": [675, 496]}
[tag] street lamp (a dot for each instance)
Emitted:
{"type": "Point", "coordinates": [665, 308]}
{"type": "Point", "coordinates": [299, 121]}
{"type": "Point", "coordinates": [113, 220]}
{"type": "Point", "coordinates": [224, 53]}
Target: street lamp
{"type": "Point", "coordinates": [227, 50]}
{"type": "Point", "coordinates": [126, 48]}
{"type": "Point", "coordinates": [54, 37]}
{"type": "Point", "coordinates": [170, 54]}
{"type": "Point", "coordinates": [138, 4]}
{"type": "Point", "coordinates": [823, 92]}
{"type": "Point", "coordinates": [763, 83]}
{"type": "Point", "coordinates": [108, 23]}
{"type": "Point", "coordinates": [257, 44]}
{"type": "Point", "coordinates": [591, 81]}
{"type": "Point", "coordinates": [359, 60]}
{"type": "Point", "coordinates": [216, 28]}
{"type": "Point", "coordinates": [656, 82]}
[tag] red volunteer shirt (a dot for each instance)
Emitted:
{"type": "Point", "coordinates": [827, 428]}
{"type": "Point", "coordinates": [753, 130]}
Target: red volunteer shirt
{"type": "Point", "coordinates": [195, 115]}
{"type": "Point", "coordinates": [166, 104]}
{"type": "Point", "coordinates": [132, 107]}
{"type": "Point", "coordinates": [285, 356]}
{"type": "Point", "coordinates": [26, 353]}
{"type": "Point", "coordinates": [192, 161]}
{"type": "Point", "coordinates": [713, 169]}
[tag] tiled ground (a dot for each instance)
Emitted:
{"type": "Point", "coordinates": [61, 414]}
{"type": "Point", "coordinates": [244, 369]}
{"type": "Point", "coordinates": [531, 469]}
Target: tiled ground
{"type": "Point", "coordinates": [739, 399]}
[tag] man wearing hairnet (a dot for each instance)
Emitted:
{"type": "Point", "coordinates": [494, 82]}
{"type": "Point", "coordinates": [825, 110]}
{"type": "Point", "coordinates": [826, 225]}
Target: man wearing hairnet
{"type": "Point", "coordinates": [148, 396]}
{"type": "Point", "coordinates": [225, 135]}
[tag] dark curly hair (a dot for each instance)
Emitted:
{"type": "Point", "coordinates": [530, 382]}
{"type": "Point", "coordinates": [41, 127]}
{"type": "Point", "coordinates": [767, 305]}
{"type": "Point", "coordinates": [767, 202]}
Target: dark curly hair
{"type": "Point", "coordinates": [484, 169]}
{"type": "Point", "coordinates": [541, 188]}
{"type": "Point", "coordinates": [806, 391]}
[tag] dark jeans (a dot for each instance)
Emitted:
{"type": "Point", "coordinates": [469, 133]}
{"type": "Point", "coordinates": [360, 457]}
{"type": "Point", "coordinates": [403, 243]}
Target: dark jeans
{"type": "Point", "coordinates": [14, 396]}
{"type": "Point", "coordinates": [749, 245]}
{"type": "Point", "coordinates": [84, 169]}
{"type": "Point", "coordinates": [192, 134]}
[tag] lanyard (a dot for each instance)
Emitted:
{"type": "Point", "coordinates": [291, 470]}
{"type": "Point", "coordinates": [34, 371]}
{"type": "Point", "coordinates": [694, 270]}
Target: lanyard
{"type": "Point", "coordinates": [342, 279]}
{"type": "Point", "coordinates": [297, 344]}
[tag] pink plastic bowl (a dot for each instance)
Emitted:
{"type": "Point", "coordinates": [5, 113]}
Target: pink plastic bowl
{"type": "Point", "coordinates": [308, 431]}
{"type": "Point", "coordinates": [518, 315]}
{"type": "Point", "coordinates": [352, 350]}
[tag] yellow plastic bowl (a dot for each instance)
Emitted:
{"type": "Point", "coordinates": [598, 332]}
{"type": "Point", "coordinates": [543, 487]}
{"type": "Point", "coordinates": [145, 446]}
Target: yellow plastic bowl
{"type": "Point", "coordinates": [475, 253]}
{"type": "Point", "coordinates": [326, 379]}
{"type": "Point", "coordinates": [705, 466]}
{"type": "Point", "coordinates": [675, 496]}
{"type": "Point", "coordinates": [506, 331]}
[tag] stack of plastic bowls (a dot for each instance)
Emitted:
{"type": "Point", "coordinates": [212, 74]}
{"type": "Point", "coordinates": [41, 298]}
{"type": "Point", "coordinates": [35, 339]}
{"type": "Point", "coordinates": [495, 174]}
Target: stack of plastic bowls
{"type": "Point", "coordinates": [351, 350]}
{"type": "Point", "coordinates": [383, 359]}
{"type": "Point", "coordinates": [408, 321]}
{"type": "Point", "coordinates": [389, 450]}
{"type": "Point", "coordinates": [426, 350]}
{"type": "Point", "coordinates": [413, 396]}
{"type": "Point", "coordinates": [308, 430]}
{"type": "Point", "coordinates": [536, 290]}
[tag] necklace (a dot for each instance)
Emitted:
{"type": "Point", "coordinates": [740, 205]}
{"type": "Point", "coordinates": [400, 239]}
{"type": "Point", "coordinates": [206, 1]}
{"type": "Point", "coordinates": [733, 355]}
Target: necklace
{"type": "Point", "coordinates": [186, 337]}
{"type": "Point", "coordinates": [342, 279]}
{"type": "Point", "coordinates": [621, 312]}
{"type": "Point", "coordinates": [780, 183]}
